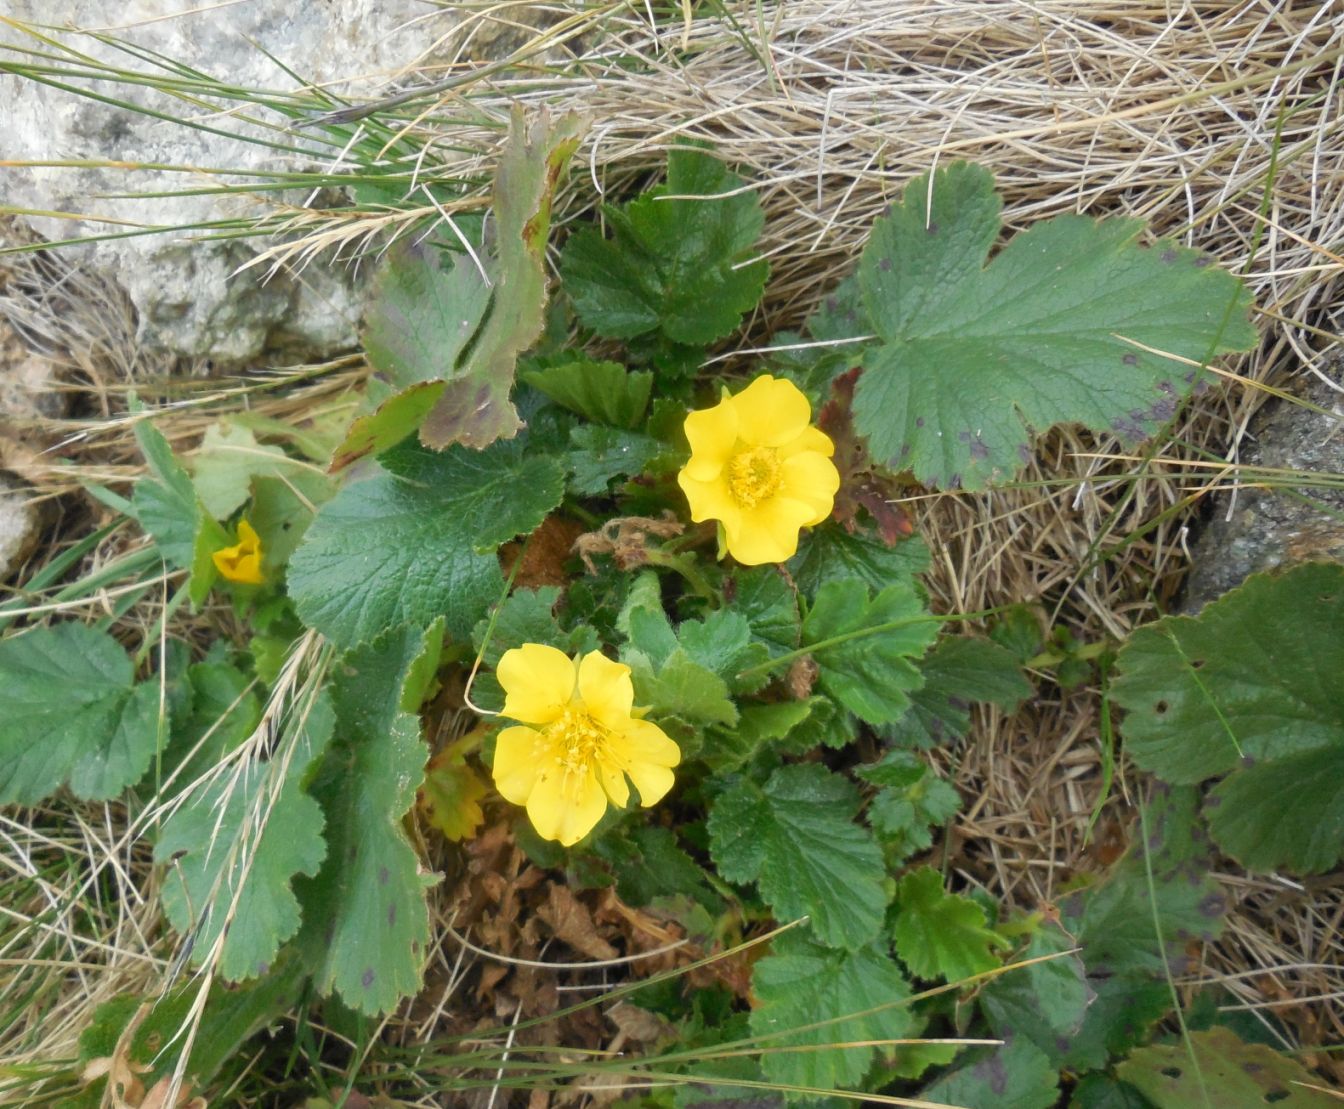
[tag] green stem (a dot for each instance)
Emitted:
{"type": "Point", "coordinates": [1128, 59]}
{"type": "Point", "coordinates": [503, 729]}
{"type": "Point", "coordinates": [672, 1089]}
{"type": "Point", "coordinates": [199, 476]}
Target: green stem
{"type": "Point", "coordinates": [683, 564]}
{"type": "Point", "coordinates": [860, 633]}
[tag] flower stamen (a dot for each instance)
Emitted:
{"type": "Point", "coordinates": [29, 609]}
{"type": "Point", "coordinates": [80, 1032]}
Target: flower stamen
{"type": "Point", "coordinates": [754, 476]}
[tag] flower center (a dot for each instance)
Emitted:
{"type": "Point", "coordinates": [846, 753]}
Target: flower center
{"type": "Point", "coordinates": [753, 476]}
{"type": "Point", "coordinates": [574, 740]}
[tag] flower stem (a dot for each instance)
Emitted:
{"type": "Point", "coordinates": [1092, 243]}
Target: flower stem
{"type": "Point", "coordinates": [683, 564]}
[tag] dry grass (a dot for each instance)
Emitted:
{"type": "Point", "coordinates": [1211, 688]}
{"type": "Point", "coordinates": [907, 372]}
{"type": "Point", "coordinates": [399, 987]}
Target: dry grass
{"type": "Point", "coordinates": [1185, 114]}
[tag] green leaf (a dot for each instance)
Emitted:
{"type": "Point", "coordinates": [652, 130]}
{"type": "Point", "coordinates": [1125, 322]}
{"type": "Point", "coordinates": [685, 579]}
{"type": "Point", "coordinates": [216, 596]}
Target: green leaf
{"type": "Point", "coordinates": [224, 711]}
{"type": "Point", "coordinates": [1285, 813]}
{"type": "Point", "coordinates": [474, 408]}
{"type": "Point", "coordinates": [1117, 920]}
{"type": "Point", "coordinates": [528, 616]}
{"type": "Point", "coordinates": [603, 392]}
{"type": "Point", "coordinates": [448, 335]}
{"type": "Point", "coordinates": [649, 863]}
{"type": "Point", "coordinates": [602, 454]}
{"type": "Point", "coordinates": [676, 266]}
{"type": "Point", "coordinates": [233, 848]}
{"type": "Point", "coordinates": [1223, 1071]}
{"type": "Point", "coordinates": [1101, 1091]}
{"type": "Point", "coordinates": [680, 687]}
{"type": "Point", "coordinates": [939, 934]}
{"type": "Point", "coordinates": [829, 552]}
{"type": "Point", "coordinates": [1253, 685]}
{"type": "Point", "coordinates": [863, 647]}
{"type": "Point", "coordinates": [796, 838]}
{"type": "Point", "coordinates": [418, 539]}
{"type": "Point", "coordinates": [912, 802]}
{"type": "Point", "coordinates": [757, 725]}
{"type": "Point", "coordinates": [427, 303]}
{"type": "Point", "coordinates": [73, 715]}
{"type": "Point", "coordinates": [769, 602]}
{"type": "Point", "coordinates": [228, 461]}
{"type": "Point", "coordinates": [1014, 1076]}
{"type": "Point", "coordinates": [367, 925]}
{"type": "Point", "coordinates": [165, 503]}
{"type": "Point", "coordinates": [1123, 1010]}
{"type": "Point", "coordinates": [1047, 1001]}
{"type": "Point", "coordinates": [957, 671]}
{"type": "Point", "coordinates": [1072, 321]}
{"type": "Point", "coordinates": [853, 995]}
{"type": "Point", "coordinates": [282, 510]}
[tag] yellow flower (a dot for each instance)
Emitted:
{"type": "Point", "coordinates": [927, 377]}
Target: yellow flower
{"type": "Point", "coordinates": [760, 468]}
{"type": "Point", "coordinates": [585, 744]}
{"type": "Point", "coordinates": [242, 562]}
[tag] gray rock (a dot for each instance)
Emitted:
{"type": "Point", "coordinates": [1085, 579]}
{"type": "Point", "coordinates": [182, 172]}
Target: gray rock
{"type": "Point", "coordinates": [20, 524]}
{"type": "Point", "coordinates": [190, 297]}
{"type": "Point", "coordinates": [1285, 523]}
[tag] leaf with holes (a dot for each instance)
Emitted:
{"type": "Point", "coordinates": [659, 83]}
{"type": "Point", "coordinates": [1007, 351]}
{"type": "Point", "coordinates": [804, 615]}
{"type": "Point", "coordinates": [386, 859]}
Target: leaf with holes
{"type": "Point", "coordinates": [233, 847]}
{"type": "Point", "coordinates": [367, 926]}
{"type": "Point", "coordinates": [418, 539]}
{"type": "Point", "coordinates": [1223, 1071]}
{"type": "Point", "coordinates": [73, 714]}
{"type": "Point", "coordinates": [855, 996]}
{"type": "Point", "coordinates": [1072, 321]}
{"type": "Point", "coordinates": [1254, 686]}
{"type": "Point", "coordinates": [797, 839]}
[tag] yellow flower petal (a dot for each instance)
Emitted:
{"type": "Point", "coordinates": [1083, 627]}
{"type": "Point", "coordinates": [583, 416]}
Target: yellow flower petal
{"type": "Point", "coordinates": [812, 479]}
{"type": "Point", "coordinates": [606, 689]}
{"type": "Point", "coordinates": [517, 763]}
{"type": "Point", "coordinates": [771, 412]}
{"type": "Point", "coordinates": [769, 532]}
{"type": "Point", "coordinates": [538, 682]}
{"type": "Point", "coordinates": [712, 433]}
{"type": "Point", "coordinates": [612, 775]}
{"type": "Point", "coordinates": [566, 807]}
{"type": "Point", "coordinates": [812, 439]}
{"type": "Point", "coordinates": [651, 754]}
{"type": "Point", "coordinates": [242, 562]}
{"type": "Point", "coordinates": [709, 500]}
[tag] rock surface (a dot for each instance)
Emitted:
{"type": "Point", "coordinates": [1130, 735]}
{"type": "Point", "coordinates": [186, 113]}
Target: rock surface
{"type": "Point", "coordinates": [20, 524]}
{"type": "Point", "coordinates": [188, 294]}
{"type": "Point", "coordinates": [1285, 523]}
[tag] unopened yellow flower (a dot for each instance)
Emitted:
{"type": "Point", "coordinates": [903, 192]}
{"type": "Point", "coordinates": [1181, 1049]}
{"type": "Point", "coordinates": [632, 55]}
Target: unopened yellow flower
{"type": "Point", "coordinates": [585, 742]}
{"type": "Point", "coordinates": [760, 469]}
{"type": "Point", "coordinates": [241, 562]}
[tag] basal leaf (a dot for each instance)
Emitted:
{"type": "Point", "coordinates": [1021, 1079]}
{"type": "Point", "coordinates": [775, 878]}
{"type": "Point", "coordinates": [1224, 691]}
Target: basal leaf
{"type": "Point", "coordinates": [830, 553]}
{"type": "Point", "coordinates": [1016, 1075]}
{"type": "Point", "coordinates": [603, 392]}
{"type": "Point", "coordinates": [797, 839]}
{"type": "Point", "coordinates": [228, 460]}
{"type": "Point", "coordinates": [854, 996]}
{"type": "Point", "coordinates": [1253, 685]}
{"type": "Point", "coordinates": [367, 924]}
{"type": "Point", "coordinates": [863, 646]}
{"type": "Point", "coordinates": [73, 714]}
{"type": "Point", "coordinates": [678, 261]}
{"type": "Point", "coordinates": [911, 802]}
{"type": "Point", "coordinates": [232, 849]}
{"type": "Point", "coordinates": [1224, 1071]}
{"type": "Point", "coordinates": [1284, 813]}
{"type": "Point", "coordinates": [1045, 1001]}
{"type": "Point", "coordinates": [959, 670]}
{"type": "Point", "coordinates": [474, 408]}
{"type": "Point", "coordinates": [602, 454]}
{"type": "Point", "coordinates": [940, 934]}
{"type": "Point", "coordinates": [1128, 924]}
{"type": "Point", "coordinates": [1072, 321]}
{"type": "Point", "coordinates": [418, 539]}
{"type": "Point", "coordinates": [770, 604]}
